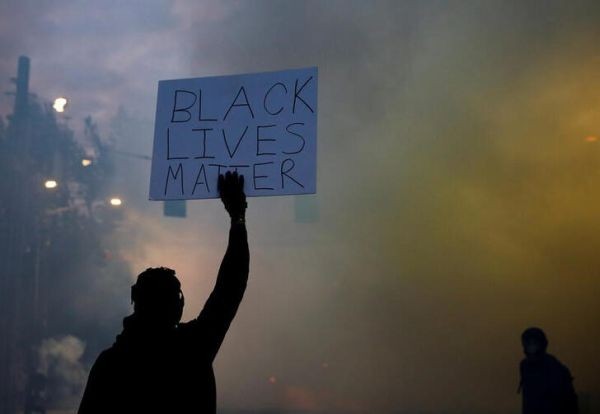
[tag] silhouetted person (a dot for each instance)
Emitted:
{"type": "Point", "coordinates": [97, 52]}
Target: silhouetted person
{"type": "Point", "coordinates": [158, 365]}
{"type": "Point", "coordinates": [546, 384]}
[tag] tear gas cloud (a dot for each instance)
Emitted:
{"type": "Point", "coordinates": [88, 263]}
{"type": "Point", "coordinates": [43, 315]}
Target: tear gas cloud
{"type": "Point", "coordinates": [457, 188]}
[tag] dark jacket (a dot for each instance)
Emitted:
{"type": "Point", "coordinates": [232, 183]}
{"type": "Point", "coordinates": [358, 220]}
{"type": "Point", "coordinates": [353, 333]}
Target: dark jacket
{"type": "Point", "coordinates": [547, 387]}
{"type": "Point", "coordinates": [170, 371]}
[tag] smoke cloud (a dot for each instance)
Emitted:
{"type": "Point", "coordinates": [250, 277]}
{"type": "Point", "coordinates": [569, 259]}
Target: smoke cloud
{"type": "Point", "coordinates": [60, 363]}
{"type": "Point", "coordinates": [457, 191]}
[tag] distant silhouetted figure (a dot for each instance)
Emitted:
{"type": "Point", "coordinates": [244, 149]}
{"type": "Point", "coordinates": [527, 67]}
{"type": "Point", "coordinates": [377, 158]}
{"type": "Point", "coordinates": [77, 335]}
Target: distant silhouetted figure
{"type": "Point", "coordinates": [546, 384]}
{"type": "Point", "coordinates": [158, 365]}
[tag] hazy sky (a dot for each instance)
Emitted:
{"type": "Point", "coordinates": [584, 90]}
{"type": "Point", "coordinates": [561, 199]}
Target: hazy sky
{"type": "Point", "coordinates": [457, 192]}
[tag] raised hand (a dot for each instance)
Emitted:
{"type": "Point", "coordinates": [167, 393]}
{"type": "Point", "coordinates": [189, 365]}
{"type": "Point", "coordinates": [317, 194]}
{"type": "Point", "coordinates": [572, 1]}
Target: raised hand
{"type": "Point", "coordinates": [231, 191]}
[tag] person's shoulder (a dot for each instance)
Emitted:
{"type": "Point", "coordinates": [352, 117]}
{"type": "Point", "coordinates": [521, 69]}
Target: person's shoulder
{"type": "Point", "coordinates": [557, 365]}
{"type": "Point", "coordinates": [106, 358]}
{"type": "Point", "coordinates": [552, 360]}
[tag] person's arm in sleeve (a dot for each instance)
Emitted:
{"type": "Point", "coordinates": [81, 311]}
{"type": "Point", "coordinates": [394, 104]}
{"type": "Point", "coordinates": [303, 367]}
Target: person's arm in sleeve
{"type": "Point", "coordinates": [223, 302]}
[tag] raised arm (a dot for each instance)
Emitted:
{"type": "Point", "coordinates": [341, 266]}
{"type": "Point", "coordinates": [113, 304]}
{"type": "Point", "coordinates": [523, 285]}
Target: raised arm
{"type": "Point", "coordinates": [223, 302]}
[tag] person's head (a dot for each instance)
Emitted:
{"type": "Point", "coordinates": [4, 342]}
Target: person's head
{"type": "Point", "coordinates": [157, 297]}
{"type": "Point", "coordinates": [534, 342]}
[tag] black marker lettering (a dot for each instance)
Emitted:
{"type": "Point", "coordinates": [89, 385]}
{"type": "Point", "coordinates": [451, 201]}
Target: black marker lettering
{"type": "Point", "coordinates": [219, 166]}
{"type": "Point", "coordinates": [200, 109]}
{"type": "Point", "coordinates": [287, 128]}
{"type": "Point", "coordinates": [205, 182]}
{"type": "Point", "coordinates": [203, 156]}
{"type": "Point", "coordinates": [169, 148]}
{"type": "Point", "coordinates": [238, 166]}
{"type": "Point", "coordinates": [267, 95]}
{"type": "Point", "coordinates": [258, 140]}
{"type": "Point", "coordinates": [170, 173]}
{"type": "Point", "coordinates": [175, 109]}
{"type": "Point", "coordinates": [284, 172]}
{"type": "Point", "coordinates": [231, 154]}
{"type": "Point", "coordinates": [242, 90]}
{"type": "Point", "coordinates": [297, 96]}
{"type": "Point", "coordinates": [260, 176]}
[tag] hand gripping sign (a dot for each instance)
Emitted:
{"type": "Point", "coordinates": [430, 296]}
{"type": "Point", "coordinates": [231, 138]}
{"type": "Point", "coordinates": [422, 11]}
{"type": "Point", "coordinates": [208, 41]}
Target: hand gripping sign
{"type": "Point", "coordinates": [262, 125]}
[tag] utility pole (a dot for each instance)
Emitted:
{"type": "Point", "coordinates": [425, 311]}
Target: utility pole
{"type": "Point", "coordinates": [18, 243]}
{"type": "Point", "coordinates": [22, 82]}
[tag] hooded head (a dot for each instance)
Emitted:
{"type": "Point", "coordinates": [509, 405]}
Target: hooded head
{"type": "Point", "coordinates": [534, 342]}
{"type": "Point", "coordinates": [157, 297]}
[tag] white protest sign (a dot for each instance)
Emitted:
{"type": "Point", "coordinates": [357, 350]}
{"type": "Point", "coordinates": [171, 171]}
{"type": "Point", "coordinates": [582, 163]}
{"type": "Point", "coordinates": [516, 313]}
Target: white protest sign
{"type": "Point", "coordinates": [262, 125]}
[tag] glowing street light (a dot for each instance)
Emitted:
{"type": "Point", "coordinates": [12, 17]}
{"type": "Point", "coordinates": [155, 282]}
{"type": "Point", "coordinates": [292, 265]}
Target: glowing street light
{"type": "Point", "coordinates": [60, 104]}
{"type": "Point", "coordinates": [591, 138]}
{"type": "Point", "coordinates": [116, 201]}
{"type": "Point", "coordinates": [50, 184]}
{"type": "Point", "coordinates": [86, 162]}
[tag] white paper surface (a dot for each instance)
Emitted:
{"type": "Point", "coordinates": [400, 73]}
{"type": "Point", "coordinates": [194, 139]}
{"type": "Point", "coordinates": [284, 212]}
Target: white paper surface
{"type": "Point", "coordinates": [263, 125]}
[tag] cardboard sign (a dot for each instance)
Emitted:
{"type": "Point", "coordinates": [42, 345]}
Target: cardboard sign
{"type": "Point", "coordinates": [263, 126]}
